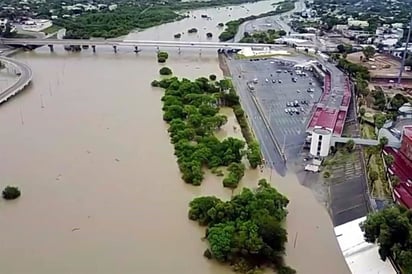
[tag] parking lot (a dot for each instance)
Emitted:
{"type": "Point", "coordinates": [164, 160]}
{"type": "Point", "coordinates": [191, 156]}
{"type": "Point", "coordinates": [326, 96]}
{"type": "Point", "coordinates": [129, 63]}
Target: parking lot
{"type": "Point", "coordinates": [273, 85]}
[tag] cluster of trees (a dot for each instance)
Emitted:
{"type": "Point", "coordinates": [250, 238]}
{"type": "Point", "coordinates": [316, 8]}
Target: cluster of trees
{"type": "Point", "coordinates": [353, 69]}
{"type": "Point", "coordinates": [391, 229]}
{"type": "Point", "coordinates": [162, 56]}
{"type": "Point", "coordinates": [397, 101]}
{"type": "Point", "coordinates": [379, 98]}
{"type": "Point", "coordinates": [229, 98]}
{"type": "Point", "coordinates": [191, 109]}
{"type": "Point", "coordinates": [165, 71]}
{"type": "Point", "coordinates": [232, 27]}
{"type": "Point", "coordinates": [109, 24]}
{"type": "Point", "coordinates": [246, 231]}
{"type": "Point", "coordinates": [262, 37]}
{"type": "Point", "coordinates": [11, 193]}
{"type": "Point", "coordinates": [236, 172]}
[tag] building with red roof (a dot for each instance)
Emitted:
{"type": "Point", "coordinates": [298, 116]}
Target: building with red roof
{"type": "Point", "coordinates": [331, 110]}
{"type": "Point", "coordinates": [401, 168]}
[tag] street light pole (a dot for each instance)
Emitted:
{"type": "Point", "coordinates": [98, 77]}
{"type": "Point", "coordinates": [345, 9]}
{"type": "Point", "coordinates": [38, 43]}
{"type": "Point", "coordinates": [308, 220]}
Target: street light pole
{"type": "Point", "coordinates": [405, 53]}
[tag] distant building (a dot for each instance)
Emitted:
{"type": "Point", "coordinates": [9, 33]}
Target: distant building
{"type": "Point", "coordinates": [112, 7]}
{"type": "Point", "coordinates": [358, 23]}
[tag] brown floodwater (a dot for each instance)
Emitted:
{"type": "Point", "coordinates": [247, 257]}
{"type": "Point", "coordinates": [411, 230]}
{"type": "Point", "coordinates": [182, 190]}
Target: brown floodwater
{"type": "Point", "coordinates": [101, 190]}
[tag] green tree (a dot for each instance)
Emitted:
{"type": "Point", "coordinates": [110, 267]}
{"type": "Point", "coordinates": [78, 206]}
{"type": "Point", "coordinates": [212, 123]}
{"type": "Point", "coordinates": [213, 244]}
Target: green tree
{"type": "Point", "coordinates": [212, 77]}
{"type": "Point", "coordinates": [350, 145]}
{"type": "Point", "coordinates": [391, 229]}
{"type": "Point", "coordinates": [369, 52]}
{"type": "Point", "coordinates": [362, 112]}
{"type": "Point", "coordinates": [163, 54]}
{"type": "Point", "coordinates": [161, 60]}
{"type": "Point", "coordinates": [388, 159]}
{"type": "Point", "coordinates": [165, 71]}
{"type": "Point", "coordinates": [373, 175]}
{"type": "Point", "coordinates": [246, 231]}
{"type": "Point", "coordinates": [11, 193]}
{"type": "Point", "coordinates": [383, 141]}
{"type": "Point", "coordinates": [379, 120]}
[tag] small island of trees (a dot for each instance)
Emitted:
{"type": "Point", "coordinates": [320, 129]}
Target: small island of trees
{"type": "Point", "coordinates": [209, 35]}
{"type": "Point", "coordinates": [192, 30]}
{"type": "Point", "coordinates": [246, 232]}
{"type": "Point", "coordinates": [178, 35]}
{"type": "Point", "coordinates": [11, 193]}
{"type": "Point", "coordinates": [191, 108]}
{"type": "Point", "coordinates": [165, 71]}
{"type": "Point", "coordinates": [162, 56]}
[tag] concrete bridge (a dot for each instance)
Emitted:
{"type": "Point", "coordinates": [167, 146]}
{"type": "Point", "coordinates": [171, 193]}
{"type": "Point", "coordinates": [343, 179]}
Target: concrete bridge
{"type": "Point", "coordinates": [25, 76]}
{"type": "Point", "coordinates": [361, 141]}
{"type": "Point", "coordinates": [115, 43]}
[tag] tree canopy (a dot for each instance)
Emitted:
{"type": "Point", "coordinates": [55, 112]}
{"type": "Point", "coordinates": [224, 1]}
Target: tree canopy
{"type": "Point", "coordinates": [11, 193]}
{"type": "Point", "coordinates": [391, 229]}
{"type": "Point", "coordinates": [369, 52]}
{"type": "Point", "coordinates": [246, 230]}
{"type": "Point", "coordinates": [191, 108]}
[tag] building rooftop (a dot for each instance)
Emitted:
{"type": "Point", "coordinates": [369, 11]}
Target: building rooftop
{"type": "Point", "coordinates": [332, 108]}
{"type": "Point", "coordinates": [361, 257]}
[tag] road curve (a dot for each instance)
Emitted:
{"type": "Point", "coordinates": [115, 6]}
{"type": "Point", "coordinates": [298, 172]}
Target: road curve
{"type": "Point", "coordinates": [24, 79]}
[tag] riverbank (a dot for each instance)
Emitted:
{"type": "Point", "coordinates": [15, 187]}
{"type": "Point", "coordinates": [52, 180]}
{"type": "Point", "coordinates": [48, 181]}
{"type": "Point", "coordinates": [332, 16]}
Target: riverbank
{"type": "Point", "coordinates": [232, 27]}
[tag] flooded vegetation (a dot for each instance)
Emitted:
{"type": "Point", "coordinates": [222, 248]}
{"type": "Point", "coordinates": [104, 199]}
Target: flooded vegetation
{"type": "Point", "coordinates": [102, 192]}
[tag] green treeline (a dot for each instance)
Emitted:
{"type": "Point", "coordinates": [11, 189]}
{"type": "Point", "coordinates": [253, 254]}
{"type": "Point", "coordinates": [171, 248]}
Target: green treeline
{"type": "Point", "coordinates": [262, 37]}
{"type": "Point", "coordinates": [191, 110]}
{"type": "Point", "coordinates": [109, 24]}
{"type": "Point", "coordinates": [246, 232]}
{"type": "Point", "coordinates": [128, 16]}
{"type": "Point", "coordinates": [232, 27]}
{"type": "Point", "coordinates": [391, 229]}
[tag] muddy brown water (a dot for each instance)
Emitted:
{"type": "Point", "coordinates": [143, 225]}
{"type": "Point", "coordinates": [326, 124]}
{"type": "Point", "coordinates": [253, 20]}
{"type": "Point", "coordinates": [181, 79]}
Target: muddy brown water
{"type": "Point", "coordinates": [101, 190]}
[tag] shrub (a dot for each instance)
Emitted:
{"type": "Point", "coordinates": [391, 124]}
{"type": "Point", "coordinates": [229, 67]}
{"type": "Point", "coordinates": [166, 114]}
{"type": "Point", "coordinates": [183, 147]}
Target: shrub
{"type": "Point", "coordinates": [161, 60]}
{"type": "Point", "coordinates": [163, 54]}
{"type": "Point", "coordinates": [212, 77]}
{"type": "Point", "coordinates": [326, 174]}
{"type": "Point", "coordinates": [11, 193]}
{"type": "Point", "coordinates": [165, 71]}
{"type": "Point", "coordinates": [155, 83]}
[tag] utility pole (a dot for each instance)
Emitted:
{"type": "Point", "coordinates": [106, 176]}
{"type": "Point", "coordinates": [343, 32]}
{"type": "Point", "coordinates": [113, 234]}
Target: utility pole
{"type": "Point", "coordinates": [405, 53]}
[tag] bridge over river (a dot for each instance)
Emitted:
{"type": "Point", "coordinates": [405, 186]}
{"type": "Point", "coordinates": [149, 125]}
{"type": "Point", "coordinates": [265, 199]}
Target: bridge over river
{"type": "Point", "coordinates": [130, 43]}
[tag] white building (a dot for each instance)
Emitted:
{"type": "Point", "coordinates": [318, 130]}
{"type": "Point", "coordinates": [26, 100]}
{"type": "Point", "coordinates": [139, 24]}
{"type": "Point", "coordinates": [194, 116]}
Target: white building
{"type": "Point", "coordinates": [112, 7]}
{"type": "Point", "coordinates": [320, 142]}
{"type": "Point", "coordinates": [361, 257]}
{"type": "Point", "coordinates": [358, 23]}
{"type": "Point", "coordinates": [36, 25]}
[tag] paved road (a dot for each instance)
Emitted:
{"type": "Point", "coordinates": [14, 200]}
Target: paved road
{"type": "Point", "coordinates": [275, 21]}
{"type": "Point", "coordinates": [271, 154]}
{"type": "Point", "coordinates": [140, 43]}
{"type": "Point", "coordinates": [23, 80]}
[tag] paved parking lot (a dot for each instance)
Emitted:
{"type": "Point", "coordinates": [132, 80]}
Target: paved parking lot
{"type": "Point", "coordinates": [289, 129]}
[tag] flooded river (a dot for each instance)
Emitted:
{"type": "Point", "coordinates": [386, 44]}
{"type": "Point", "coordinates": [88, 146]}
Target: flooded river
{"type": "Point", "coordinates": [101, 190]}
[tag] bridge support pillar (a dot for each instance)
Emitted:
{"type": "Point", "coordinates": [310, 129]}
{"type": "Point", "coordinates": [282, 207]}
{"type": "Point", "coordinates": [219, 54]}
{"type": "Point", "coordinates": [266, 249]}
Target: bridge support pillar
{"type": "Point", "coordinates": [200, 51]}
{"type": "Point", "coordinates": [136, 49]}
{"type": "Point", "coordinates": [178, 50]}
{"type": "Point", "coordinates": [94, 48]}
{"type": "Point", "coordinates": [157, 49]}
{"type": "Point", "coordinates": [51, 47]}
{"type": "Point", "coordinates": [115, 49]}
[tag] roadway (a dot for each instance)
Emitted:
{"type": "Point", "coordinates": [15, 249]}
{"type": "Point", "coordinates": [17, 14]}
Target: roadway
{"type": "Point", "coordinates": [268, 146]}
{"type": "Point", "coordinates": [131, 43]}
{"type": "Point", "coordinates": [23, 80]}
{"type": "Point", "coordinates": [276, 21]}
